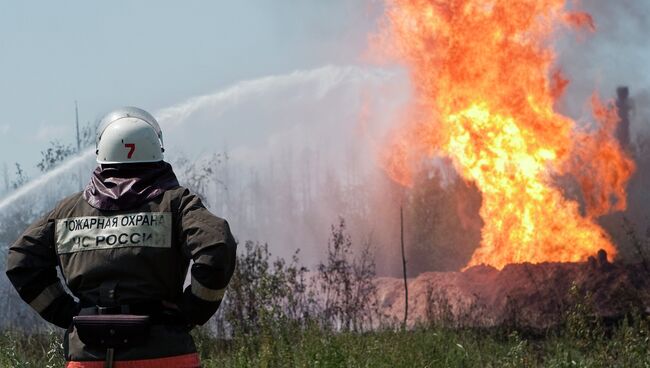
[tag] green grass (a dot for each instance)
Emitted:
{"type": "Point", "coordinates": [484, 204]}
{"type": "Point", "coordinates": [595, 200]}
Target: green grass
{"type": "Point", "coordinates": [576, 345]}
{"type": "Point", "coordinates": [33, 350]}
{"type": "Point", "coordinates": [627, 345]}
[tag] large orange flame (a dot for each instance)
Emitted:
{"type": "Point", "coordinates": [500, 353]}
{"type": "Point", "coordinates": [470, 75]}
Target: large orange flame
{"type": "Point", "coordinates": [484, 96]}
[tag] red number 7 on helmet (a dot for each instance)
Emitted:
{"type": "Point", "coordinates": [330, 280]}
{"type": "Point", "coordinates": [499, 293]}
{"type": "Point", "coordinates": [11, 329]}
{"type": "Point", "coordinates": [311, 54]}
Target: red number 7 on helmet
{"type": "Point", "coordinates": [131, 146]}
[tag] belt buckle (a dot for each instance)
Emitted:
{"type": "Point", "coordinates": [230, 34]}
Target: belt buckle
{"type": "Point", "coordinates": [108, 310]}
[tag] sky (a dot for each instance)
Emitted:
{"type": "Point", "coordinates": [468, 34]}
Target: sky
{"type": "Point", "coordinates": [156, 54]}
{"type": "Point", "coordinates": [153, 54]}
{"type": "Point", "coordinates": [269, 80]}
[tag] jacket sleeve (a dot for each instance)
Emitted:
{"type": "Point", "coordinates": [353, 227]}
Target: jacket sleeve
{"type": "Point", "coordinates": [207, 240]}
{"type": "Point", "coordinates": [31, 268]}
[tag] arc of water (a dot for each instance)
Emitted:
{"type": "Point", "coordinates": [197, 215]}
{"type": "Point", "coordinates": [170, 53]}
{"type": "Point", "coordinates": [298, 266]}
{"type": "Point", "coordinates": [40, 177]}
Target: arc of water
{"type": "Point", "coordinates": [326, 78]}
{"type": "Point", "coordinates": [45, 179]}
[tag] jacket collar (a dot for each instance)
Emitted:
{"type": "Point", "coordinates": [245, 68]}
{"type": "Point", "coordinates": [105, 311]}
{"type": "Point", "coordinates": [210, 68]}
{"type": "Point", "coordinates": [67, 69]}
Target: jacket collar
{"type": "Point", "coordinates": [114, 187]}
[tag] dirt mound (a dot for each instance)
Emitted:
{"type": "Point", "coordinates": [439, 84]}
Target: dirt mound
{"type": "Point", "coordinates": [528, 295]}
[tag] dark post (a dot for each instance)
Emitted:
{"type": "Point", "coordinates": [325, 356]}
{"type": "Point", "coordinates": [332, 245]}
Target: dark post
{"type": "Point", "coordinates": [76, 114]}
{"type": "Point", "coordinates": [5, 174]}
{"type": "Point", "coordinates": [406, 287]}
{"type": "Point", "coordinates": [624, 106]}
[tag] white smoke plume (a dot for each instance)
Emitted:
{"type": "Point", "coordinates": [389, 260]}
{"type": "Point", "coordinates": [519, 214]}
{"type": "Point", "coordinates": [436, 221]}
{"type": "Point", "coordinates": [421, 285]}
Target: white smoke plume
{"type": "Point", "coordinates": [285, 134]}
{"type": "Point", "coordinates": [315, 132]}
{"type": "Point", "coordinates": [616, 54]}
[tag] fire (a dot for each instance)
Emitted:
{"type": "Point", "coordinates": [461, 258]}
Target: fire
{"type": "Point", "coordinates": [485, 89]}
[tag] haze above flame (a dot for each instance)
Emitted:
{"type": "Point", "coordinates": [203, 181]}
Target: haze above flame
{"type": "Point", "coordinates": [484, 95]}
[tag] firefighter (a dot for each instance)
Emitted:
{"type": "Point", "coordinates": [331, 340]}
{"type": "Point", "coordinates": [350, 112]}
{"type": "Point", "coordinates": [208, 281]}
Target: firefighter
{"type": "Point", "coordinates": [124, 246]}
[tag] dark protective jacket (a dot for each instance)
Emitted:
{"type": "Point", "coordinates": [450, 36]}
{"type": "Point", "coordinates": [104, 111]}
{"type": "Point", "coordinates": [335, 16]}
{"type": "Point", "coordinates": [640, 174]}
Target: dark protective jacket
{"type": "Point", "coordinates": [132, 246]}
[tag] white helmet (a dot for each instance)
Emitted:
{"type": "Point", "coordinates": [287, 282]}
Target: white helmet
{"type": "Point", "coordinates": [129, 135]}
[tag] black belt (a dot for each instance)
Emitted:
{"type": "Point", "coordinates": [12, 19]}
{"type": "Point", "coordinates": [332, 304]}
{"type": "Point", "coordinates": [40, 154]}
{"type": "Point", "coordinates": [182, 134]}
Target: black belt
{"type": "Point", "coordinates": [143, 309]}
{"type": "Point", "coordinates": [158, 313]}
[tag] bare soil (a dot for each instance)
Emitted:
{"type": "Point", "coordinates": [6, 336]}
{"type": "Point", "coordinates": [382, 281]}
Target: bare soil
{"type": "Point", "coordinates": [527, 295]}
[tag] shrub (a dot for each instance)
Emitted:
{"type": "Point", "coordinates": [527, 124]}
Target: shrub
{"type": "Point", "coordinates": [347, 284]}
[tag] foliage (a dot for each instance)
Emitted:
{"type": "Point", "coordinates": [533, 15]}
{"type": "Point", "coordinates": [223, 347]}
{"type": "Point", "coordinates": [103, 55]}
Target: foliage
{"type": "Point", "coordinates": [628, 345]}
{"type": "Point", "coordinates": [442, 226]}
{"type": "Point", "coordinates": [53, 155]}
{"type": "Point", "coordinates": [346, 283]}
{"type": "Point", "coordinates": [274, 320]}
{"type": "Point", "coordinates": [263, 292]}
{"type": "Point", "coordinates": [43, 350]}
{"type": "Point", "coordinates": [21, 177]}
{"type": "Point", "coordinates": [199, 175]}
{"type": "Point", "coordinates": [57, 152]}
{"type": "Point", "coordinates": [639, 245]}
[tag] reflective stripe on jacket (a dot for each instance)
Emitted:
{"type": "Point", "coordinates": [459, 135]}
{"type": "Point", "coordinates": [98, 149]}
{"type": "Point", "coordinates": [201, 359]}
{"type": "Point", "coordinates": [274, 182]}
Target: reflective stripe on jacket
{"type": "Point", "coordinates": [181, 361]}
{"type": "Point", "coordinates": [139, 255]}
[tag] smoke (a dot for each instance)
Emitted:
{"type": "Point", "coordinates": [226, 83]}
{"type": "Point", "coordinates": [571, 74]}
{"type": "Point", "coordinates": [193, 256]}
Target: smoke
{"type": "Point", "coordinates": [284, 151]}
{"type": "Point", "coordinates": [299, 149]}
{"type": "Point", "coordinates": [618, 53]}
{"type": "Point", "coordinates": [315, 107]}
{"type": "Point", "coordinates": [325, 79]}
{"type": "Point", "coordinates": [297, 152]}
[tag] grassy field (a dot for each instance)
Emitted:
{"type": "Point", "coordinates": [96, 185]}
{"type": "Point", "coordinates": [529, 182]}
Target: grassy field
{"type": "Point", "coordinates": [578, 344]}
{"type": "Point", "coordinates": [276, 317]}
{"type": "Point", "coordinates": [627, 346]}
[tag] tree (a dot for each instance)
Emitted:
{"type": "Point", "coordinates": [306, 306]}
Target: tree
{"type": "Point", "coordinates": [53, 155]}
{"type": "Point", "coordinates": [87, 135]}
{"type": "Point", "coordinates": [57, 152]}
{"type": "Point", "coordinates": [442, 224]}
{"type": "Point", "coordinates": [346, 283]}
{"type": "Point", "coordinates": [21, 177]}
